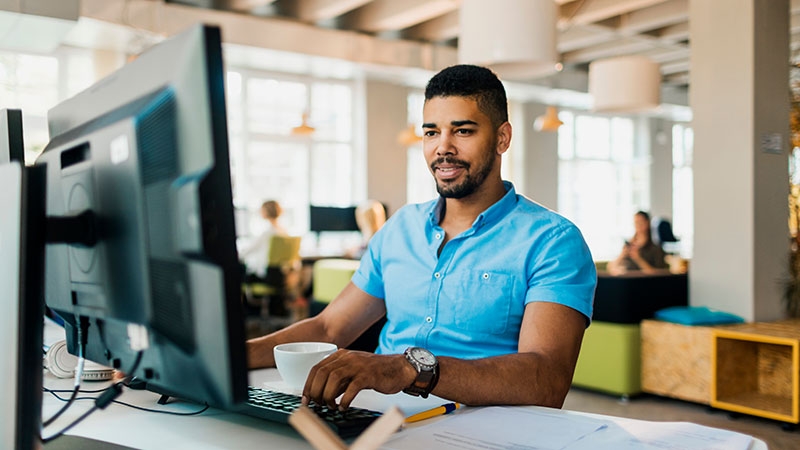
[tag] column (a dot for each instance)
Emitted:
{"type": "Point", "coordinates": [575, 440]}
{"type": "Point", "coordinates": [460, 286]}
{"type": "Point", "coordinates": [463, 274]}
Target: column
{"type": "Point", "coordinates": [540, 163]}
{"type": "Point", "coordinates": [386, 166]}
{"type": "Point", "coordinates": [657, 136]}
{"type": "Point", "coordinates": [739, 97]}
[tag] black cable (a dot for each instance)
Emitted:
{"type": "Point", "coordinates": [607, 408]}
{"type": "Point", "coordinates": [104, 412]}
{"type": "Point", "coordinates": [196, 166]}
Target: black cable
{"type": "Point", "coordinates": [82, 391]}
{"type": "Point", "coordinates": [55, 392]}
{"type": "Point", "coordinates": [160, 411]}
{"type": "Point", "coordinates": [78, 372]}
{"type": "Point", "coordinates": [68, 427]}
{"type": "Point", "coordinates": [63, 408]}
{"type": "Point", "coordinates": [100, 402]}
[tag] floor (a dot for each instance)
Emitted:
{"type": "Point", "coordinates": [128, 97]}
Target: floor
{"type": "Point", "coordinates": [651, 407]}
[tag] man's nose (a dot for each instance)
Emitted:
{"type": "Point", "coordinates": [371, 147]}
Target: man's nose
{"type": "Point", "coordinates": [445, 146]}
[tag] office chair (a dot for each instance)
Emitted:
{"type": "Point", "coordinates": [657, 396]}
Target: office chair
{"type": "Point", "coordinates": [330, 277]}
{"type": "Point", "coordinates": [663, 236]}
{"type": "Point", "coordinates": [275, 293]}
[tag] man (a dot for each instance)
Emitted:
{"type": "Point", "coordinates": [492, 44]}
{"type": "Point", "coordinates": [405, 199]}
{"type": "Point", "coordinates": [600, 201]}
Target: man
{"type": "Point", "coordinates": [491, 291]}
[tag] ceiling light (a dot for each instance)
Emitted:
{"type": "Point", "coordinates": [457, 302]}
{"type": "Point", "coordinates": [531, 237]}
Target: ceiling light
{"type": "Point", "coordinates": [624, 84]}
{"type": "Point", "coordinates": [548, 121]}
{"type": "Point", "coordinates": [304, 129]}
{"type": "Point", "coordinates": [515, 38]}
{"type": "Point", "coordinates": [408, 136]}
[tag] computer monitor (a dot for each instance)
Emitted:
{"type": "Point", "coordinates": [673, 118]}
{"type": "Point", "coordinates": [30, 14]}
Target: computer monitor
{"type": "Point", "coordinates": [145, 150]}
{"type": "Point", "coordinates": [332, 218]}
{"type": "Point", "coordinates": [11, 148]}
{"type": "Point", "coordinates": [21, 304]}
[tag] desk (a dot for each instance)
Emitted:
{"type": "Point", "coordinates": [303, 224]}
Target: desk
{"type": "Point", "coordinates": [213, 429]}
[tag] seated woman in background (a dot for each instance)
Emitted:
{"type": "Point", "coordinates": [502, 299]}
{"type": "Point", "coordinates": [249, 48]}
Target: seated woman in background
{"type": "Point", "coordinates": [253, 253]}
{"type": "Point", "coordinates": [640, 253]}
{"type": "Point", "coordinates": [370, 217]}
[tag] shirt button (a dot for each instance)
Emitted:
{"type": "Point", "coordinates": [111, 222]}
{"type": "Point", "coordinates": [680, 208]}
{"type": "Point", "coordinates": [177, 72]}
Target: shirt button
{"type": "Point", "coordinates": [429, 319]}
{"type": "Point", "coordinates": [438, 235]}
{"type": "Point", "coordinates": [485, 276]}
{"type": "Point", "coordinates": [437, 275]}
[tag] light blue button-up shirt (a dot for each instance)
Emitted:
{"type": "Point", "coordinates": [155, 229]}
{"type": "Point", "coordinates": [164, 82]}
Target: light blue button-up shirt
{"type": "Point", "coordinates": [468, 300]}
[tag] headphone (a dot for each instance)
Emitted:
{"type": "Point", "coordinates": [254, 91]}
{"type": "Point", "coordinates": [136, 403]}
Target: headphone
{"type": "Point", "coordinates": [62, 364]}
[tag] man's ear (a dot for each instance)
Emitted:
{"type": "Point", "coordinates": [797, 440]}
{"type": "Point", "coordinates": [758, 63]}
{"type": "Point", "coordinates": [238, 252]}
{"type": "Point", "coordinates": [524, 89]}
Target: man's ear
{"type": "Point", "coordinates": [503, 138]}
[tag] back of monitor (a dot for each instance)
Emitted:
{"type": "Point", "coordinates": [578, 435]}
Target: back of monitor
{"type": "Point", "coordinates": [21, 305]}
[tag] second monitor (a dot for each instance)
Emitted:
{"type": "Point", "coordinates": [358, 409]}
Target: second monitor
{"type": "Point", "coordinates": [149, 278]}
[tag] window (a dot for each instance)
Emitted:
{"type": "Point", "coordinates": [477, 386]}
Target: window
{"type": "Point", "coordinates": [683, 188]}
{"type": "Point", "coordinates": [603, 179]}
{"type": "Point", "coordinates": [30, 83]}
{"type": "Point", "coordinates": [268, 162]}
{"type": "Point", "coordinates": [36, 83]}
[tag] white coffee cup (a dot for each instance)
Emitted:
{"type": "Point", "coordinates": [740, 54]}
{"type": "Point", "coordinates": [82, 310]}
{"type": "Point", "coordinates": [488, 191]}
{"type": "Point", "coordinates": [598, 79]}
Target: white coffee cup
{"type": "Point", "coordinates": [295, 360]}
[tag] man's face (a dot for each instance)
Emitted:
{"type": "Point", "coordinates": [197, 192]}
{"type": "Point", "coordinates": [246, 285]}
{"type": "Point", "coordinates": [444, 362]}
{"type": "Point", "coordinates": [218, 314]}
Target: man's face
{"type": "Point", "coordinates": [460, 145]}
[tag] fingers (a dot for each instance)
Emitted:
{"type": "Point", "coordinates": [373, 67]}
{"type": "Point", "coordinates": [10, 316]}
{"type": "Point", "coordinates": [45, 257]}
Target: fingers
{"type": "Point", "coordinates": [348, 396]}
{"type": "Point", "coordinates": [327, 380]}
{"type": "Point", "coordinates": [345, 373]}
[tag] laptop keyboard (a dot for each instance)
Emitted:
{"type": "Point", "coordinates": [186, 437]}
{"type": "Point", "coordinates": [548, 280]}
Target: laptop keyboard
{"type": "Point", "coordinates": [278, 406]}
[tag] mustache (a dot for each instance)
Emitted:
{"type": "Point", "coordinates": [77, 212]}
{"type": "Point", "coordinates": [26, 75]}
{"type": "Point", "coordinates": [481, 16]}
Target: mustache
{"type": "Point", "coordinates": [449, 160]}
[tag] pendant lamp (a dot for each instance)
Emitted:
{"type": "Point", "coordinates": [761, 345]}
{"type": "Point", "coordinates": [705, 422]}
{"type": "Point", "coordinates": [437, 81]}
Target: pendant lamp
{"type": "Point", "coordinates": [304, 129]}
{"type": "Point", "coordinates": [408, 136]}
{"type": "Point", "coordinates": [548, 121]}
{"type": "Point", "coordinates": [515, 38]}
{"type": "Point", "coordinates": [625, 84]}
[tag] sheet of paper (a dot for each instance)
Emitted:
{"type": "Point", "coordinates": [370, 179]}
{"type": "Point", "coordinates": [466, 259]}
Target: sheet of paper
{"type": "Point", "coordinates": [631, 434]}
{"type": "Point", "coordinates": [528, 428]}
{"type": "Point", "coordinates": [498, 428]}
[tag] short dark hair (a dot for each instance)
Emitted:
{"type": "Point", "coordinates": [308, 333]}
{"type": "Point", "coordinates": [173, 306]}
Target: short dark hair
{"type": "Point", "coordinates": [478, 83]}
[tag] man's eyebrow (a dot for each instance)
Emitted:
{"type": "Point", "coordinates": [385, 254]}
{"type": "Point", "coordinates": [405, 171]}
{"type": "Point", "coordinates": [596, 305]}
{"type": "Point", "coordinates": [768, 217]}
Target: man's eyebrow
{"type": "Point", "coordinates": [455, 123]}
{"type": "Point", "coordinates": [458, 123]}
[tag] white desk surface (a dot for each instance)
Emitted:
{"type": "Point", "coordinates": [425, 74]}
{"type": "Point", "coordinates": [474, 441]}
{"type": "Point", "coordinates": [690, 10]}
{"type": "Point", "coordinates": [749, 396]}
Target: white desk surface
{"type": "Point", "coordinates": [213, 429]}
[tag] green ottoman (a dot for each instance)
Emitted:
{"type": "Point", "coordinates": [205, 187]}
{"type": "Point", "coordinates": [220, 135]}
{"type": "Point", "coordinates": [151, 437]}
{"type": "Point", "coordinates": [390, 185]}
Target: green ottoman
{"type": "Point", "coordinates": [610, 359]}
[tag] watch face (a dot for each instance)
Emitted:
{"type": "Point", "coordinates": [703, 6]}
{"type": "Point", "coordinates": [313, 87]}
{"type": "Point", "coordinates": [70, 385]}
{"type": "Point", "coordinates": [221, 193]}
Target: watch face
{"type": "Point", "coordinates": [423, 356]}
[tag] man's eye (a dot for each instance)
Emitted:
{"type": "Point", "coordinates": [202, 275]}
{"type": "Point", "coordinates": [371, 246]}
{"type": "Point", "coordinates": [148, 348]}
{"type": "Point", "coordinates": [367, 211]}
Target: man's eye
{"type": "Point", "coordinates": [464, 131]}
{"type": "Point", "coordinates": [429, 133]}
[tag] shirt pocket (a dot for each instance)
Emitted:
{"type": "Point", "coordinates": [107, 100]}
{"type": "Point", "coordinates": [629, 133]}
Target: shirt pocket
{"type": "Point", "coordinates": [483, 300]}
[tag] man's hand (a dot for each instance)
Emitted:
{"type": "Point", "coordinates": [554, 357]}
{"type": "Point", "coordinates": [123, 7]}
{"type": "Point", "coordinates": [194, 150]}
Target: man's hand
{"type": "Point", "coordinates": [347, 372]}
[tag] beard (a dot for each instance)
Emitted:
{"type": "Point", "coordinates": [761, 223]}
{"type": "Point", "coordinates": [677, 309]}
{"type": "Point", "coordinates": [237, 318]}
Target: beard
{"type": "Point", "coordinates": [470, 183]}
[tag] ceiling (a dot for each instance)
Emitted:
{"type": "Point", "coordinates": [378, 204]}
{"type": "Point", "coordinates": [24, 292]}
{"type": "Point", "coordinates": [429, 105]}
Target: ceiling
{"type": "Point", "coordinates": [405, 40]}
{"type": "Point", "coordinates": [587, 29]}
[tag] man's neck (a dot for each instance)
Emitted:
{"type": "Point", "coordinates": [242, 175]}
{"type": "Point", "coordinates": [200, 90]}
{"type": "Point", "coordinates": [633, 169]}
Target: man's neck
{"type": "Point", "coordinates": [460, 213]}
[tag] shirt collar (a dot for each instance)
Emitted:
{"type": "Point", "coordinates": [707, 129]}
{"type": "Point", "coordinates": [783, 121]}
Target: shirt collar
{"type": "Point", "coordinates": [492, 214]}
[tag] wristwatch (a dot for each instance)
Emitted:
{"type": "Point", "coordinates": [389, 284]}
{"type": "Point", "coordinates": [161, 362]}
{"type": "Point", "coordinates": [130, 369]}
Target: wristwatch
{"type": "Point", "coordinates": [427, 367]}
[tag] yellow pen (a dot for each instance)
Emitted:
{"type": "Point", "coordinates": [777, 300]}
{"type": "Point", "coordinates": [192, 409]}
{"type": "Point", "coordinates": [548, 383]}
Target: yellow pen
{"type": "Point", "coordinates": [438, 411]}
